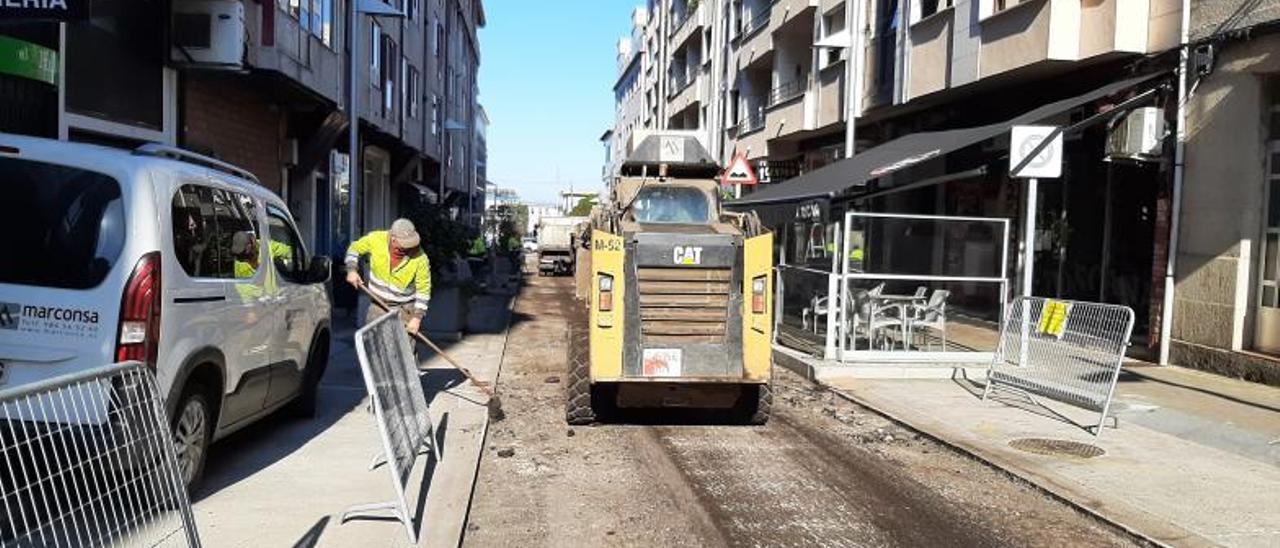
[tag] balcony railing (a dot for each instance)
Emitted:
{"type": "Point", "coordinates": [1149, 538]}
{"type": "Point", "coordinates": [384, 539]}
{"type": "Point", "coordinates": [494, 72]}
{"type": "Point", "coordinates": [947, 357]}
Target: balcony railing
{"type": "Point", "coordinates": [753, 121]}
{"type": "Point", "coordinates": [785, 92]}
{"type": "Point", "coordinates": [756, 24]}
{"type": "Point", "coordinates": [679, 81]}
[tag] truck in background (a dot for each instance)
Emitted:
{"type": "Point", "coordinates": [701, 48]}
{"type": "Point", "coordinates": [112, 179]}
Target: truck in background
{"type": "Point", "coordinates": [556, 239]}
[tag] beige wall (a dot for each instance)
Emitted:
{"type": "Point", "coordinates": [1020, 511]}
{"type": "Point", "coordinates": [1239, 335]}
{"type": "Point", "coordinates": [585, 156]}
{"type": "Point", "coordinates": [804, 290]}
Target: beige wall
{"type": "Point", "coordinates": [830, 100]}
{"type": "Point", "coordinates": [1223, 196]}
{"type": "Point", "coordinates": [1098, 26]}
{"type": "Point", "coordinates": [753, 144]}
{"type": "Point", "coordinates": [930, 68]}
{"type": "Point", "coordinates": [784, 119]}
{"type": "Point", "coordinates": [1163, 20]}
{"type": "Point", "coordinates": [1014, 38]}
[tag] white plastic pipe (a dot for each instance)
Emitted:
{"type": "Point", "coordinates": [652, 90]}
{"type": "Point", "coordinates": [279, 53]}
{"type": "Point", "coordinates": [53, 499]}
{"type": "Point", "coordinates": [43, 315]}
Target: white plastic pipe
{"type": "Point", "coordinates": [1175, 213]}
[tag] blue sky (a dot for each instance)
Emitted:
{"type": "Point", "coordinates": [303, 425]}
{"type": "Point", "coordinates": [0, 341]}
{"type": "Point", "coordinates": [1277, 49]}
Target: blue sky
{"type": "Point", "coordinates": [546, 79]}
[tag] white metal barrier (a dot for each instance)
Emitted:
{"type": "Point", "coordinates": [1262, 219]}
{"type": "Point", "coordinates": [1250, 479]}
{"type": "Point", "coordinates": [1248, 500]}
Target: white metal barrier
{"type": "Point", "coordinates": [87, 459]}
{"type": "Point", "coordinates": [400, 406]}
{"type": "Point", "coordinates": [1069, 351]}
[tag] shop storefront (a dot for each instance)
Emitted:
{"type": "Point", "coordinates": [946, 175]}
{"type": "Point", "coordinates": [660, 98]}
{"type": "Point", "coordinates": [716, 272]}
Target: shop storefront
{"type": "Point", "coordinates": [911, 250]}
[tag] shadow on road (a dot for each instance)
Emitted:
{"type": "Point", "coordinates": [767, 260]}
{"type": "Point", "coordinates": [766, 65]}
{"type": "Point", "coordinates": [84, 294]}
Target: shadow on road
{"type": "Point", "coordinates": [312, 536]}
{"type": "Point", "coordinates": [342, 389]}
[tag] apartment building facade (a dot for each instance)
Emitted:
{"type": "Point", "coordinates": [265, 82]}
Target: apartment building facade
{"type": "Point", "coordinates": [1192, 248]}
{"type": "Point", "coordinates": [262, 85]}
{"type": "Point", "coordinates": [1225, 302]}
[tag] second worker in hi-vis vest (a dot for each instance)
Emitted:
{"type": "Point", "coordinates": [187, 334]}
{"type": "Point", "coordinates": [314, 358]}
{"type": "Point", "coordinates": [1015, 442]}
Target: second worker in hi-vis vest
{"type": "Point", "coordinates": [399, 272]}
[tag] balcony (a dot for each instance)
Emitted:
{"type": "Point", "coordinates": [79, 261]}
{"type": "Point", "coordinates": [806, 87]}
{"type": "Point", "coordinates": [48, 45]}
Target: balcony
{"type": "Point", "coordinates": [279, 43]}
{"type": "Point", "coordinates": [685, 91]}
{"type": "Point", "coordinates": [754, 44]}
{"type": "Point", "coordinates": [929, 44]}
{"type": "Point", "coordinates": [691, 25]}
{"type": "Point", "coordinates": [831, 95]}
{"type": "Point", "coordinates": [749, 135]}
{"type": "Point", "coordinates": [1039, 32]}
{"type": "Point", "coordinates": [784, 92]}
{"type": "Point", "coordinates": [785, 113]}
{"type": "Point", "coordinates": [788, 12]}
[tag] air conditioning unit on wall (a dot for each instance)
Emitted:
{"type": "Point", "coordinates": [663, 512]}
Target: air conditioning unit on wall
{"type": "Point", "coordinates": [208, 34]}
{"type": "Point", "coordinates": [1138, 136]}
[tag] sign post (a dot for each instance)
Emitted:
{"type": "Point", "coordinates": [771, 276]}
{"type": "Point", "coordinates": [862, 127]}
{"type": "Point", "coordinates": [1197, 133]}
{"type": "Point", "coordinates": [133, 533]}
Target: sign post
{"type": "Point", "coordinates": [1035, 152]}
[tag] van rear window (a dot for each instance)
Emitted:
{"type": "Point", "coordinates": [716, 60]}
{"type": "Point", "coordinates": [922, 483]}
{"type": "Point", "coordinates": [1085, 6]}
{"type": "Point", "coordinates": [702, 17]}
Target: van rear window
{"type": "Point", "coordinates": [62, 226]}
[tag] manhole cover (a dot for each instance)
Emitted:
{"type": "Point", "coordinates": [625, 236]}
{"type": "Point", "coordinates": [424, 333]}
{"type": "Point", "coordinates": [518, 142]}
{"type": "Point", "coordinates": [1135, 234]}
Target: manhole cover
{"type": "Point", "coordinates": [1057, 448]}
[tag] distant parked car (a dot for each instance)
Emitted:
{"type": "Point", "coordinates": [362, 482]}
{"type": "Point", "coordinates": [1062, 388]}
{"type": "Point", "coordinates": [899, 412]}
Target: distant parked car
{"type": "Point", "coordinates": [529, 244]}
{"type": "Point", "coordinates": [166, 257]}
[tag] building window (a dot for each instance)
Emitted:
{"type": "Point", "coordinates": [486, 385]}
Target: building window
{"type": "Point", "coordinates": [388, 73]}
{"type": "Point", "coordinates": [437, 39]}
{"type": "Point", "coordinates": [414, 86]}
{"type": "Point", "coordinates": [926, 8]}
{"type": "Point", "coordinates": [987, 8]}
{"type": "Point", "coordinates": [435, 114]}
{"type": "Point", "coordinates": [375, 54]}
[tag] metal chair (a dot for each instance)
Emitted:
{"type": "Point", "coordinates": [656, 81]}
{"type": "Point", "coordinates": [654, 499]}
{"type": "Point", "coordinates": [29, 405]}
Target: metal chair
{"type": "Point", "coordinates": [869, 311]}
{"type": "Point", "coordinates": [932, 315]}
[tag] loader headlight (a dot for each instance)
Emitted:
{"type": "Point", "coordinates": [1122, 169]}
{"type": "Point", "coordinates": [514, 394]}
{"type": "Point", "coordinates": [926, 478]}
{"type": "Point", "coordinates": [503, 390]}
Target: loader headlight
{"type": "Point", "coordinates": [604, 302]}
{"type": "Point", "coordinates": [758, 295]}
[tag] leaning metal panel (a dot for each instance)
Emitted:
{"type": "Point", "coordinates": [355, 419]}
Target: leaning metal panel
{"type": "Point", "coordinates": [392, 378]}
{"type": "Point", "coordinates": [1069, 351]}
{"type": "Point", "coordinates": [87, 459]}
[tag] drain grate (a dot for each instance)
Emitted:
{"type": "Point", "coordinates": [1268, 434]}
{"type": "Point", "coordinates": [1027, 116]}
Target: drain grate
{"type": "Point", "coordinates": [1057, 448]}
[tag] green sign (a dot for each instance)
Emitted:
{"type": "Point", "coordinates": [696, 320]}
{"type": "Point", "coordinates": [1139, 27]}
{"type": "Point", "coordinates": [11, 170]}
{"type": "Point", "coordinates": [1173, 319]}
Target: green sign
{"type": "Point", "coordinates": [26, 60]}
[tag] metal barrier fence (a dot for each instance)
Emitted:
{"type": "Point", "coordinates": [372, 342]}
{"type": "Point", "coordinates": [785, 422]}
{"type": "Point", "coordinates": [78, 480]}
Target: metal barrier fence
{"type": "Point", "coordinates": [1069, 351]}
{"type": "Point", "coordinates": [87, 459]}
{"type": "Point", "coordinates": [400, 406]}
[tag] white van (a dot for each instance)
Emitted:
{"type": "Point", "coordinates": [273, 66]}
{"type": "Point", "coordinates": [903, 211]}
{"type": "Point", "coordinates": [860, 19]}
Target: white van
{"type": "Point", "coordinates": [167, 257]}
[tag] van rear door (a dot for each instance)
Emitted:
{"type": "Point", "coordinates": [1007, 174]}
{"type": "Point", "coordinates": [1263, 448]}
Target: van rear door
{"type": "Point", "coordinates": [60, 289]}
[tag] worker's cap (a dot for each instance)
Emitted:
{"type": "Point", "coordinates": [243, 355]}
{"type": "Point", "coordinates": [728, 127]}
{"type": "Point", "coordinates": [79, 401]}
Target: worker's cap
{"type": "Point", "coordinates": [242, 243]}
{"type": "Point", "coordinates": [405, 235]}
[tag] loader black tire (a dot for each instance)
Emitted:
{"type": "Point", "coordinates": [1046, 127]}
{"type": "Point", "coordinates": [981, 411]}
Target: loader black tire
{"type": "Point", "coordinates": [757, 403]}
{"type": "Point", "coordinates": [578, 404]}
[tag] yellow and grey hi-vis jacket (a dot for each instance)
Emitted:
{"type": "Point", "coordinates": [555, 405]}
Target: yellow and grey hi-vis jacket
{"type": "Point", "coordinates": [409, 282]}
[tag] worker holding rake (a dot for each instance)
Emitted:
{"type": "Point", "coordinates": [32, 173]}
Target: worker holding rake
{"type": "Point", "coordinates": [399, 272]}
{"type": "Point", "coordinates": [400, 277]}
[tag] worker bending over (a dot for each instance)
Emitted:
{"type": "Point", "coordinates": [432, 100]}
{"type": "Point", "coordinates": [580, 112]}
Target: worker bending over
{"type": "Point", "coordinates": [399, 272]}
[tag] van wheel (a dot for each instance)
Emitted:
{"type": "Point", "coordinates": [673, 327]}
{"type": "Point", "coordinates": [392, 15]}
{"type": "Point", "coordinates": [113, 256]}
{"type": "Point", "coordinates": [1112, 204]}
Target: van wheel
{"type": "Point", "coordinates": [305, 404]}
{"type": "Point", "coordinates": [756, 403]}
{"type": "Point", "coordinates": [578, 408]}
{"type": "Point", "coordinates": [192, 427]}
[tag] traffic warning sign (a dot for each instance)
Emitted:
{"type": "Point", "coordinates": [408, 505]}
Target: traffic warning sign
{"type": "Point", "coordinates": [739, 172]}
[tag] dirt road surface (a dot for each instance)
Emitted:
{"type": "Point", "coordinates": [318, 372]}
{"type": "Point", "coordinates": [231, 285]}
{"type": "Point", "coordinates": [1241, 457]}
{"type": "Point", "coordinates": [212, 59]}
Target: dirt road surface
{"type": "Point", "coordinates": [823, 472]}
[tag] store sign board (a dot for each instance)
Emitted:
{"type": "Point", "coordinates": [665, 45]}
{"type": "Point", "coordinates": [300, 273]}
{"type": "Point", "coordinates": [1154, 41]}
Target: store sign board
{"type": "Point", "coordinates": [26, 60]}
{"type": "Point", "coordinates": [55, 10]}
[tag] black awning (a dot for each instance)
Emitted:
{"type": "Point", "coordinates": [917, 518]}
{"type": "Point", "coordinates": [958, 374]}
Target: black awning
{"type": "Point", "coordinates": [911, 150]}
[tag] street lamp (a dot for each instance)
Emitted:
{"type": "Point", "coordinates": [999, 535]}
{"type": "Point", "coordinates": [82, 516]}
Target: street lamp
{"type": "Point", "coordinates": [372, 8]}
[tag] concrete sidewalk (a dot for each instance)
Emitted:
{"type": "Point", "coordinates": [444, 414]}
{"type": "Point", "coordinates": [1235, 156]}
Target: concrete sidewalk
{"type": "Point", "coordinates": [285, 482]}
{"type": "Point", "coordinates": [1195, 462]}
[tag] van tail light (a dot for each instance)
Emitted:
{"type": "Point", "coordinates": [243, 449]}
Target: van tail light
{"type": "Point", "coordinates": [757, 295]}
{"type": "Point", "coordinates": [605, 302]}
{"type": "Point", "coordinates": [139, 337]}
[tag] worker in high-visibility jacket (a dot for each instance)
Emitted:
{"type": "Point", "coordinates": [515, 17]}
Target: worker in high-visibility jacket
{"type": "Point", "coordinates": [399, 272]}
